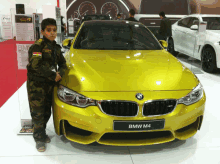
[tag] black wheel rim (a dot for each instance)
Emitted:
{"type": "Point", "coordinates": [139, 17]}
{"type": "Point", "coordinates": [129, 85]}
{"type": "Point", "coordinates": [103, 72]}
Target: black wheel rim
{"type": "Point", "coordinates": [207, 60]}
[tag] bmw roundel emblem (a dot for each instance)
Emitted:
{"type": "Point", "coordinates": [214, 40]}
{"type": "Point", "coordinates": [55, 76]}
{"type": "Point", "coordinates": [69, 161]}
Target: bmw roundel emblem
{"type": "Point", "coordinates": [139, 96]}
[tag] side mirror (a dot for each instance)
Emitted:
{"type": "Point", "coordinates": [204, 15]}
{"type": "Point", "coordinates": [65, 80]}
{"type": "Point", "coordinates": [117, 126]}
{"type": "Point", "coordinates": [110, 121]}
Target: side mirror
{"type": "Point", "coordinates": [163, 43]}
{"type": "Point", "coordinates": [194, 27]}
{"type": "Point", "coordinates": [66, 43]}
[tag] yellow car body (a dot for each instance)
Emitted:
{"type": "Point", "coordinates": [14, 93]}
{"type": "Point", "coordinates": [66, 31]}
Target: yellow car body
{"type": "Point", "coordinates": [104, 75]}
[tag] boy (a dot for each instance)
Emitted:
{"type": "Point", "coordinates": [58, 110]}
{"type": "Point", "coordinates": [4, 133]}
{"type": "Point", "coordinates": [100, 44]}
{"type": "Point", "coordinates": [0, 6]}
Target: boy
{"type": "Point", "coordinates": [43, 56]}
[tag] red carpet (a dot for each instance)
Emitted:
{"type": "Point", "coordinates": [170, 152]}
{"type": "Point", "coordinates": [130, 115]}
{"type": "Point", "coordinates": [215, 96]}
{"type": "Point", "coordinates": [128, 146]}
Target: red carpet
{"type": "Point", "coordinates": [11, 79]}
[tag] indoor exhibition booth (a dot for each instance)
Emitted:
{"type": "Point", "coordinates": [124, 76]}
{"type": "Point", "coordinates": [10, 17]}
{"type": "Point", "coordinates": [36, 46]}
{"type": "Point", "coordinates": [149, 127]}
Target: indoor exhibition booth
{"type": "Point", "coordinates": [141, 98]}
{"type": "Point", "coordinates": [20, 30]}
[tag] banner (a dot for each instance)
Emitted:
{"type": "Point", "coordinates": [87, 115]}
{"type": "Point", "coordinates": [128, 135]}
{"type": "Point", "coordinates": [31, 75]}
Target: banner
{"type": "Point", "coordinates": [24, 27]}
{"type": "Point", "coordinates": [6, 27]}
{"type": "Point", "coordinates": [22, 55]}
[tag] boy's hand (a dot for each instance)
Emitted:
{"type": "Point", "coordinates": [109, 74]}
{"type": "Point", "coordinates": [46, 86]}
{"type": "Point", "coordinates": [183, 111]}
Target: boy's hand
{"type": "Point", "coordinates": [58, 77]}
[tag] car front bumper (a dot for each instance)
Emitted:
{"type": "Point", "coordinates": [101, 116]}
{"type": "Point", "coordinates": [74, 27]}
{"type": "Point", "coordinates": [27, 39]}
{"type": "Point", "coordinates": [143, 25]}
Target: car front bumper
{"type": "Point", "coordinates": [88, 125]}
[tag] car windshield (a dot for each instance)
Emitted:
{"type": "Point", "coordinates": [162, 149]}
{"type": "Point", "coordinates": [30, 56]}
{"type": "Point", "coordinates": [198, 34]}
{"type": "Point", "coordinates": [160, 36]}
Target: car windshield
{"type": "Point", "coordinates": [213, 23]}
{"type": "Point", "coordinates": [115, 35]}
{"type": "Point", "coordinates": [96, 17]}
{"type": "Point", "coordinates": [177, 7]}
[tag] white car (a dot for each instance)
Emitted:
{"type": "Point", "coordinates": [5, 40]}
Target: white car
{"type": "Point", "coordinates": [185, 35]}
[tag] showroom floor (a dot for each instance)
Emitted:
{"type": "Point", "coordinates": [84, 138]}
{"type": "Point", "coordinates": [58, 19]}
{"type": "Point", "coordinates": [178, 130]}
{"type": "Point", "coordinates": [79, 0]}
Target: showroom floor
{"type": "Point", "coordinates": [204, 147]}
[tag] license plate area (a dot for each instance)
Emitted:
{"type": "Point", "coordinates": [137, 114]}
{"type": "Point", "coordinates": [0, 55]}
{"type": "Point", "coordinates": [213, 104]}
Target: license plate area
{"type": "Point", "coordinates": [138, 125]}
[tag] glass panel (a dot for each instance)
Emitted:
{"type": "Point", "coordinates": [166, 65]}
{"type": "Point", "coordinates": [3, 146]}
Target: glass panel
{"type": "Point", "coordinates": [118, 36]}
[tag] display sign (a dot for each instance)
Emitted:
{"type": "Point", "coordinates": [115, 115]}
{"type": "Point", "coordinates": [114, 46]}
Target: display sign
{"type": "Point", "coordinates": [71, 29]}
{"type": "Point", "coordinates": [70, 22]}
{"type": "Point", "coordinates": [58, 12]}
{"type": "Point", "coordinates": [71, 26]}
{"type": "Point", "coordinates": [202, 26]}
{"type": "Point", "coordinates": [59, 21]}
{"type": "Point", "coordinates": [37, 24]}
{"type": "Point", "coordinates": [201, 37]}
{"type": "Point", "coordinates": [58, 29]}
{"type": "Point", "coordinates": [7, 27]}
{"type": "Point", "coordinates": [24, 27]}
{"type": "Point", "coordinates": [22, 55]}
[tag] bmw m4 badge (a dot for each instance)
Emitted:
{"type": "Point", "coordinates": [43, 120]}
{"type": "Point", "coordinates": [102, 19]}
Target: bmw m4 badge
{"type": "Point", "coordinates": [139, 96]}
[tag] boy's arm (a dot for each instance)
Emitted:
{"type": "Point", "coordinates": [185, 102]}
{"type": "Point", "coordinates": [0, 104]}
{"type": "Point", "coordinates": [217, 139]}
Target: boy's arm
{"type": "Point", "coordinates": [62, 64]}
{"type": "Point", "coordinates": [37, 64]}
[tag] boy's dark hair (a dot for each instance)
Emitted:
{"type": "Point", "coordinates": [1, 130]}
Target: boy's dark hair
{"type": "Point", "coordinates": [162, 14]}
{"type": "Point", "coordinates": [47, 22]}
{"type": "Point", "coordinates": [132, 12]}
{"type": "Point", "coordinates": [119, 15]}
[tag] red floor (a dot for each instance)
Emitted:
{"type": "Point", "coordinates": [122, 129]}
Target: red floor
{"type": "Point", "coordinates": [11, 79]}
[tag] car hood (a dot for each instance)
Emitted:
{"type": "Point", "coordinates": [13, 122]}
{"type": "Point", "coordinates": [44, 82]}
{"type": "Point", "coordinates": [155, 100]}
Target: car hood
{"type": "Point", "coordinates": [118, 70]}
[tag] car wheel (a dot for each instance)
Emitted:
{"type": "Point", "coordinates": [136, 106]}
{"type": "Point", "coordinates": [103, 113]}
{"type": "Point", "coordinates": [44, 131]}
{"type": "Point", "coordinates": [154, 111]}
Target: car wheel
{"type": "Point", "coordinates": [209, 60]}
{"type": "Point", "coordinates": [170, 48]}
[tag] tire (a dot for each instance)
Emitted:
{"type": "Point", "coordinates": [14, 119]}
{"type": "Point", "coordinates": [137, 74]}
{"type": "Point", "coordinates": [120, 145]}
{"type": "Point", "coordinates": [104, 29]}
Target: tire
{"type": "Point", "coordinates": [94, 144]}
{"type": "Point", "coordinates": [170, 48]}
{"type": "Point", "coordinates": [61, 128]}
{"type": "Point", "coordinates": [209, 60]}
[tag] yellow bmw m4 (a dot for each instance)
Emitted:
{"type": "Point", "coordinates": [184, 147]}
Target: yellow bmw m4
{"type": "Point", "coordinates": [123, 88]}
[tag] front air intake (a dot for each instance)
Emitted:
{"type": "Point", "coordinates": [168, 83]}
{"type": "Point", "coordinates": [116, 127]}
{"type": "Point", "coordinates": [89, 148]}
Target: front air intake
{"type": "Point", "coordinates": [120, 108]}
{"type": "Point", "coordinates": [159, 107]}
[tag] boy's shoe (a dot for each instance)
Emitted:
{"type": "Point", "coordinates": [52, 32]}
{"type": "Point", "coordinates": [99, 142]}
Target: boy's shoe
{"type": "Point", "coordinates": [41, 147]}
{"type": "Point", "coordinates": [47, 139]}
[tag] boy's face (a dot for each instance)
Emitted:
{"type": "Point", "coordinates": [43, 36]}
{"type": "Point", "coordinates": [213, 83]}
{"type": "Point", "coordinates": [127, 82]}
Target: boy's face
{"type": "Point", "coordinates": [50, 32]}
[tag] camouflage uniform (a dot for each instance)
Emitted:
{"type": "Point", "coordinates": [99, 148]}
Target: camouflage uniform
{"type": "Point", "coordinates": [43, 57]}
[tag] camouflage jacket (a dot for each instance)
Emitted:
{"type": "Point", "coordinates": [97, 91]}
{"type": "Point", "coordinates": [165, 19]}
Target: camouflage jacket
{"type": "Point", "coordinates": [45, 59]}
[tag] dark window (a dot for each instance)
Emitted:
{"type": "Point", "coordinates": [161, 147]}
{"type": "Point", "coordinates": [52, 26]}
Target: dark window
{"type": "Point", "coordinates": [114, 36]}
{"type": "Point", "coordinates": [193, 21]}
{"type": "Point", "coordinates": [184, 22]}
{"type": "Point", "coordinates": [177, 7]}
{"type": "Point", "coordinates": [95, 17]}
{"type": "Point", "coordinates": [213, 23]}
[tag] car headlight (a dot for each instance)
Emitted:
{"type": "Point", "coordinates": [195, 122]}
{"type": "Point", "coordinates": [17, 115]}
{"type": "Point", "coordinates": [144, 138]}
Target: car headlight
{"type": "Point", "coordinates": [195, 95]}
{"type": "Point", "coordinates": [73, 98]}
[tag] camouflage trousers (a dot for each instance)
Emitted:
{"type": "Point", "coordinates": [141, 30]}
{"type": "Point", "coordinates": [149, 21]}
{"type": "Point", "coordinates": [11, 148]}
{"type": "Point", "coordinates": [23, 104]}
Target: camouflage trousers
{"type": "Point", "coordinates": [40, 96]}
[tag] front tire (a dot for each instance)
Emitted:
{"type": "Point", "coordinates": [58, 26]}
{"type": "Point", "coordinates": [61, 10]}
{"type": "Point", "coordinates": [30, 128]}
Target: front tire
{"type": "Point", "coordinates": [170, 48]}
{"type": "Point", "coordinates": [209, 60]}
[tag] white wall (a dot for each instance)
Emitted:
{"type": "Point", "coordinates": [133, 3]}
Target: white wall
{"type": "Point", "coordinates": [5, 5]}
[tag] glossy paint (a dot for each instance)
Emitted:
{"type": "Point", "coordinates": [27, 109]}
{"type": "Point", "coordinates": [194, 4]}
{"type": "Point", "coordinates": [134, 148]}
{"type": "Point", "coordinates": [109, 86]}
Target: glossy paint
{"type": "Point", "coordinates": [120, 75]}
